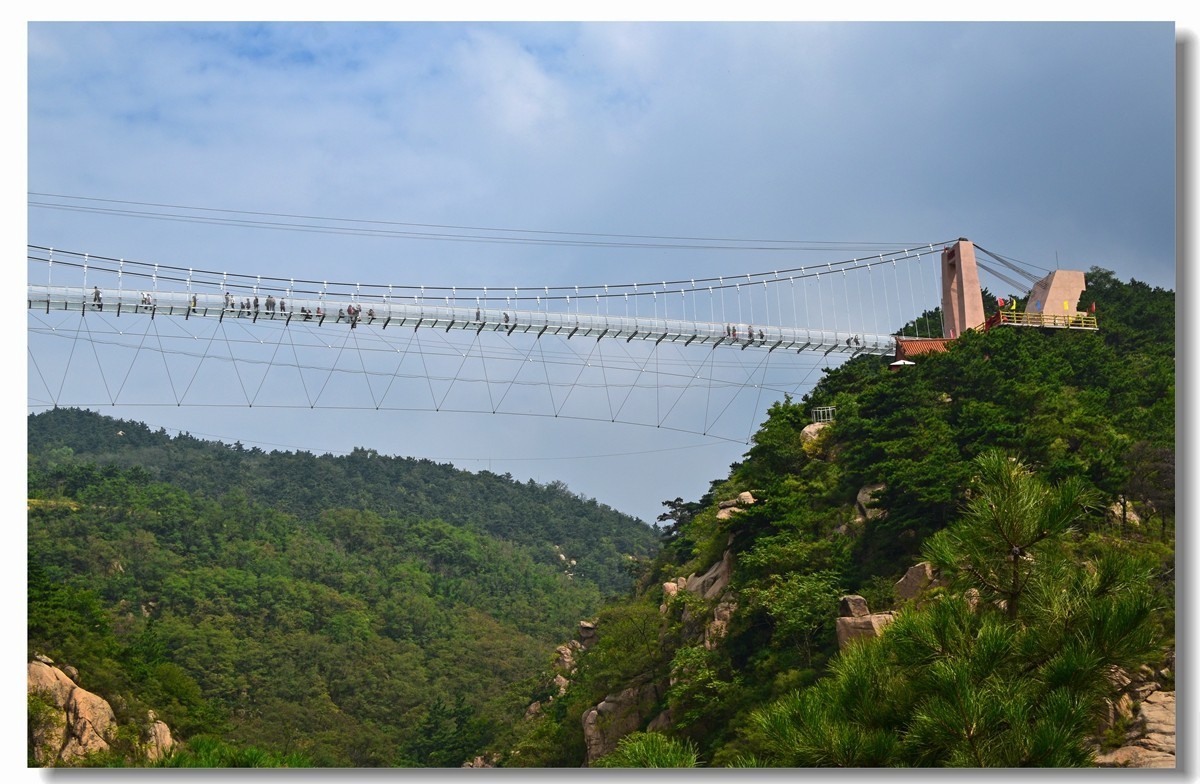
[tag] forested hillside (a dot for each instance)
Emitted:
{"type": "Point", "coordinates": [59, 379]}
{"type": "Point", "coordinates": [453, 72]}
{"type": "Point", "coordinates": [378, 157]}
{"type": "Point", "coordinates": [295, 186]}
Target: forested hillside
{"type": "Point", "coordinates": [1033, 470]}
{"type": "Point", "coordinates": [549, 518]}
{"type": "Point", "coordinates": [360, 610]}
{"type": "Point", "coordinates": [367, 610]}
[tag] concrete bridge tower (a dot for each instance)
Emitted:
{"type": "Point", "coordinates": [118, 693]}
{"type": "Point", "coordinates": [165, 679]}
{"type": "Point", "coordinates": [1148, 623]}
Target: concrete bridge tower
{"type": "Point", "coordinates": [962, 297]}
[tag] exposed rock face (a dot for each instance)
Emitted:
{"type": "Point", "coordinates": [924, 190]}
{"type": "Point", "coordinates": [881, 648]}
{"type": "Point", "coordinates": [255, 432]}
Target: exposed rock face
{"type": "Point", "coordinates": [1150, 716]}
{"type": "Point", "coordinates": [662, 721]}
{"type": "Point", "coordinates": [810, 432]}
{"type": "Point", "coordinates": [853, 606]}
{"type": "Point", "coordinates": [91, 724]}
{"type": "Point", "coordinates": [565, 660]}
{"type": "Point", "coordinates": [719, 626]}
{"type": "Point", "coordinates": [483, 761]}
{"type": "Point", "coordinates": [158, 739]}
{"type": "Point", "coordinates": [727, 509]}
{"type": "Point", "coordinates": [587, 633]}
{"type": "Point", "coordinates": [864, 499]}
{"type": "Point", "coordinates": [1117, 514]}
{"type": "Point", "coordinates": [857, 622]}
{"type": "Point", "coordinates": [710, 584]}
{"type": "Point", "coordinates": [561, 683]}
{"type": "Point", "coordinates": [865, 627]}
{"type": "Point", "coordinates": [914, 581]}
{"type": "Point", "coordinates": [79, 722]}
{"type": "Point", "coordinates": [616, 716]}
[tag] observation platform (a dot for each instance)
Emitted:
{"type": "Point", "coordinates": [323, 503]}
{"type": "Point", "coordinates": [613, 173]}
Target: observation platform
{"type": "Point", "coordinates": [1016, 318]}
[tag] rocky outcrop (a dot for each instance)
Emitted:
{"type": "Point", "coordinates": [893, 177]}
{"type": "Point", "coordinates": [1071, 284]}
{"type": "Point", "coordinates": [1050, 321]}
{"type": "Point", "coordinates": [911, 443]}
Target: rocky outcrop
{"type": "Point", "coordinates": [1121, 511]}
{"type": "Point", "coordinates": [616, 716]}
{"type": "Point", "coordinates": [587, 634]}
{"type": "Point", "coordinates": [158, 739]}
{"type": "Point", "coordinates": [917, 579]}
{"type": "Point", "coordinates": [811, 432]}
{"type": "Point", "coordinates": [864, 508]}
{"type": "Point", "coordinates": [71, 722]}
{"type": "Point", "coordinates": [483, 761]}
{"type": "Point", "coordinates": [718, 627]}
{"type": "Point", "coordinates": [1151, 741]}
{"type": "Point", "coordinates": [564, 660]}
{"type": "Point", "coordinates": [562, 666]}
{"type": "Point", "coordinates": [1147, 714]}
{"type": "Point", "coordinates": [857, 622]}
{"type": "Point", "coordinates": [727, 509]}
{"type": "Point", "coordinates": [714, 581]}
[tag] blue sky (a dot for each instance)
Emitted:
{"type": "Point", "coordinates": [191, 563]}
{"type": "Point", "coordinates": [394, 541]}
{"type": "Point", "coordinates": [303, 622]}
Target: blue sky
{"type": "Point", "coordinates": [1052, 143]}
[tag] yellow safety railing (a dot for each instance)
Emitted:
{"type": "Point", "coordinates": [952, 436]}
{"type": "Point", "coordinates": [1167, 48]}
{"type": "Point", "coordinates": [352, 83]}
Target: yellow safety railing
{"type": "Point", "coordinates": [1017, 318]}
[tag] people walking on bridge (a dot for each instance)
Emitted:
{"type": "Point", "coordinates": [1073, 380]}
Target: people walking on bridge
{"type": "Point", "coordinates": [96, 301]}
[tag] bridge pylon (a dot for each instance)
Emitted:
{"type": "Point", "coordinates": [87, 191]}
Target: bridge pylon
{"type": "Point", "coordinates": [962, 296]}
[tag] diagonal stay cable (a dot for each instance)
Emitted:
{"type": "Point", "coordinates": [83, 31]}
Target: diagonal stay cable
{"type": "Point", "coordinates": [736, 395]}
{"type": "Point", "coordinates": [754, 412]}
{"type": "Point", "coordinates": [521, 366]}
{"type": "Point", "coordinates": [604, 382]}
{"type": "Point", "coordinates": [461, 364]}
{"type": "Point", "coordinates": [212, 336]}
{"type": "Point", "coordinates": [546, 371]}
{"type": "Point", "coordinates": [137, 353]}
{"type": "Point", "coordinates": [333, 366]}
{"type": "Point", "coordinates": [582, 367]}
{"type": "Point", "coordinates": [649, 356]}
{"type": "Point", "coordinates": [163, 354]}
{"type": "Point", "coordinates": [399, 363]}
{"type": "Point", "coordinates": [486, 382]}
{"type": "Point", "coordinates": [271, 366]}
{"type": "Point", "coordinates": [708, 359]}
{"type": "Point", "coordinates": [41, 376]}
{"type": "Point", "coordinates": [299, 368]}
{"type": "Point", "coordinates": [425, 368]}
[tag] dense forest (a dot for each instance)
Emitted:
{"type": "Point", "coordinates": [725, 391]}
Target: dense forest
{"type": "Point", "coordinates": [359, 610]}
{"type": "Point", "coordinates": [375, 611]}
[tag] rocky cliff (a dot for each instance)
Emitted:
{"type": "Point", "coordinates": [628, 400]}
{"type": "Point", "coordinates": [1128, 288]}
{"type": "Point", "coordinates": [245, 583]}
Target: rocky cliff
{"type": "Point", "coordinates": [68, 723]}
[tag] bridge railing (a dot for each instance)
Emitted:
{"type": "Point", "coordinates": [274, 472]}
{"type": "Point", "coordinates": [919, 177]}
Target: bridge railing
{"type": "Point", "coordinates": [385, 313]}
{"type": "Point", "coordinates": [1072, 320]}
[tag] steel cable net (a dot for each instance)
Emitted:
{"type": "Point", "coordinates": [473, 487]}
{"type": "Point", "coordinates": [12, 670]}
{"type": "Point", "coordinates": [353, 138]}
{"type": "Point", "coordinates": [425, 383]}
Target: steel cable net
{"type": "Point", "coordinates": [687, 358]}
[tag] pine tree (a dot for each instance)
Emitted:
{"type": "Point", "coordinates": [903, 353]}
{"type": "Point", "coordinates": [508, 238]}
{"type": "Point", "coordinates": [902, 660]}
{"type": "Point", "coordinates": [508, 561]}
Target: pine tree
{"type": "Point", "coordinates": [1006, 669]}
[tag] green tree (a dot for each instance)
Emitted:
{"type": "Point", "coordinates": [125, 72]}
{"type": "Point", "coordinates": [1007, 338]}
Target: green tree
{"type": "Point", "coordinates": [650, 750]}
{"type": "Point", "coordinates": [802, 607]}
{"type": "Point", "coordinates": [1008, 669]}
{"type": "Point", "coordinates": [996, 545]}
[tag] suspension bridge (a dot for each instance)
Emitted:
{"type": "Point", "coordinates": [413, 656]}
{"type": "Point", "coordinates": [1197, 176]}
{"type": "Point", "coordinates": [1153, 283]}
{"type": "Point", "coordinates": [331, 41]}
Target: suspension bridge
{"type": "Point", "coordinates": [691, 355]}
